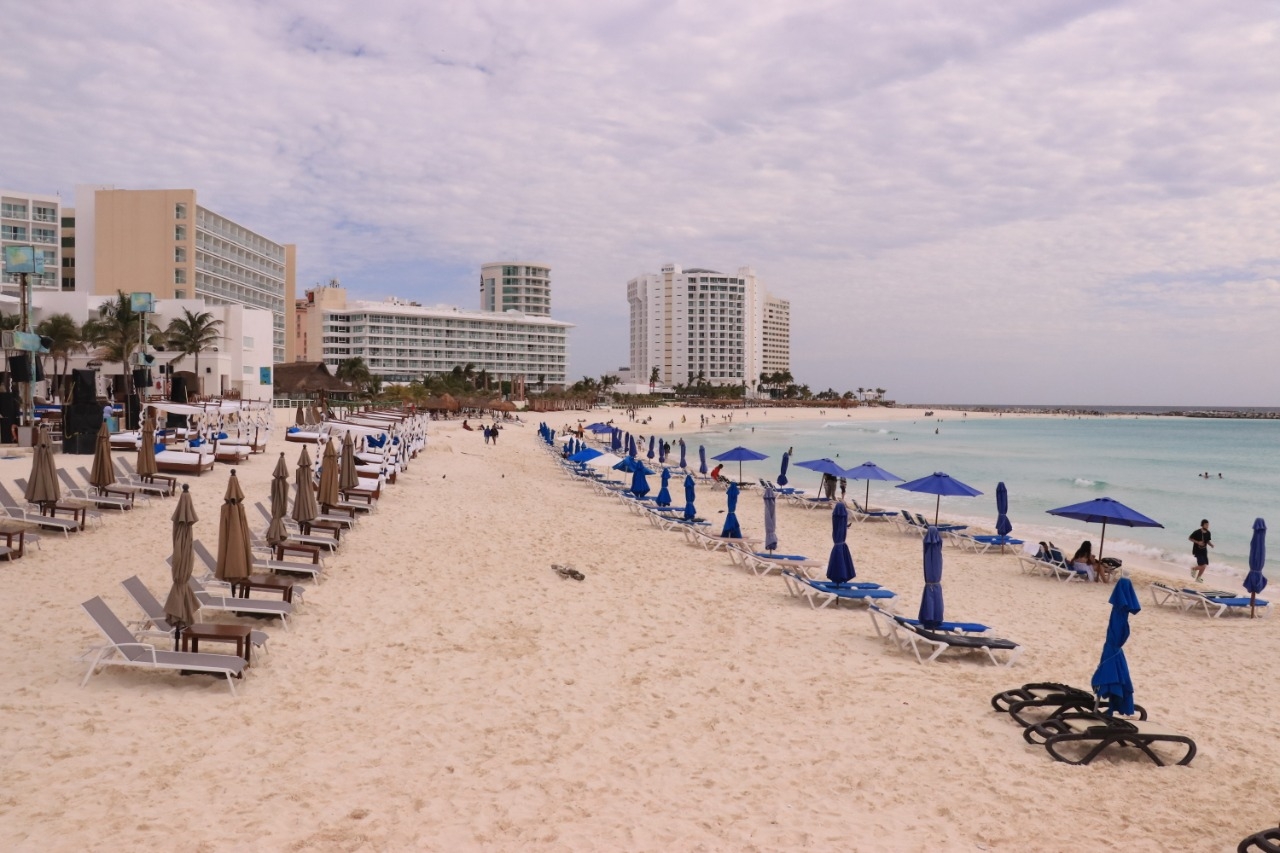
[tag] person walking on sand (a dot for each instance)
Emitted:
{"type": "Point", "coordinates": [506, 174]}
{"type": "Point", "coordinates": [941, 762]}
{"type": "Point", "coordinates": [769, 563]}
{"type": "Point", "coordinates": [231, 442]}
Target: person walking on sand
{"type": "Point", "coordinates": [1201, 542]}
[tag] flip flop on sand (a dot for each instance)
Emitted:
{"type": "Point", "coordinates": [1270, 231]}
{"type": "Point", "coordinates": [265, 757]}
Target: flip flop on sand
{"type": "Point", "coordinates": [568, 572]}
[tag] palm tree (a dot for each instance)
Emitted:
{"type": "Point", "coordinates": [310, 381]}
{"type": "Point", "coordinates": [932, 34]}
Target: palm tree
{"type": "Point", "coordinates": [654, 376]}
{"type": "Point", "coordinates": [116, 332]}
{"type": "Point", "coordinates": [880, 394]}
{"type": "Point", "coordinates": [65, 339]}
{"type": "Point", "coordinates": [355, 371]}
{"type": "Point", "coordinates": [191, 334]}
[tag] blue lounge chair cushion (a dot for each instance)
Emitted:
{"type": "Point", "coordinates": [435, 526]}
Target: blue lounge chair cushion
{"type": "Point", "coordinates": [769, 556]}
{"type": "Point", "coordinates": [293, 429]}
{"type": "Point", "coordinates": [967, 627]}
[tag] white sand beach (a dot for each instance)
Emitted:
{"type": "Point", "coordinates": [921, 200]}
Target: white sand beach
{"type": "Point", "coordinates": [444, 689]}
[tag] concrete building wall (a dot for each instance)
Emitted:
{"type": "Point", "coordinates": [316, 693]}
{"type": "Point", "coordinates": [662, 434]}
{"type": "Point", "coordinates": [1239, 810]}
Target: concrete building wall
{"type": "Point", "coordinates": [32, 219]}
{"type": "Point", "coordinates": [777, 335]}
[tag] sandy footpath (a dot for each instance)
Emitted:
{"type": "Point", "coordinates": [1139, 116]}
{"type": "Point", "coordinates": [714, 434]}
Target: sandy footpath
{"type": "Point", "coordinates": [443, 689]}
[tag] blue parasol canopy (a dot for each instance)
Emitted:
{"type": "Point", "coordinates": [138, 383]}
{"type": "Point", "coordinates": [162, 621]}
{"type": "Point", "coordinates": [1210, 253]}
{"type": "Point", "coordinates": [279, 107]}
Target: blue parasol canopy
{"type": "Point", "coordinates": [1105, 511]}
{"type": "Point", "coordinates": [822, 466]}
{"type": "Point", "coordinates": [664, 496]}
{"type": "Point", "coordinates": [585, 455]}
{"type": "Point", "coordinates": [1255, 582]}
{"type": "Point", "coordinates": [940, 484]}
{"type": "Point", "coordinates": [770, 520]}
{"type": "Point", "coordinates": [931, 608]}
{"type": "Point", "coordinates": [731, 527]}
{"type": "Point", "coordinates": [690, 511]}
{"type": "Point", "coordinates": [782, 475]}
{"type": "Point", "coordinates": [702, 457]}
{"type": "Point", "coordinates": [870, 471]}
{"type": "Point", "coordinates": [598, 427]}
{"type": "Point", "coordinates": [1003, 526]}
{"type": "Point", "coordinates": [740, 455]}
{"type": "Point", "coordinates": [1111, 680]}
{"type": "Point", "coordinates": [639, 484]}
{"type": "Point", "coordinates": [840, 564]}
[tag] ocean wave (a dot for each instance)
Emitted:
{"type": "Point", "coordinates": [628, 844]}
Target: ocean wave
{"type": "Point", "coordinates": [1086, 483]}
{"type": "Point", "coordinates": [855, 427]}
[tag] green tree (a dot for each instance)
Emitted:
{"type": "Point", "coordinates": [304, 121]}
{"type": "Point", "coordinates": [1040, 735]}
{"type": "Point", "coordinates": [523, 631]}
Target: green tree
{"type": "Point", "coordinates": [116, 331]}
{"type": "Point", "coordinates": [191, 334]}
{"type": "Point", "coordinates": [654, 376]}
{"type": "Point", "coordinates": [355, 371]}
{"type": "Point", "coordinates": [66, 339]}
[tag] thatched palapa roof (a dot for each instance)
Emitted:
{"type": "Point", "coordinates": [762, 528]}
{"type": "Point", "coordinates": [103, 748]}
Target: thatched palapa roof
{"type": "Point", "coordinates": [306, 377]}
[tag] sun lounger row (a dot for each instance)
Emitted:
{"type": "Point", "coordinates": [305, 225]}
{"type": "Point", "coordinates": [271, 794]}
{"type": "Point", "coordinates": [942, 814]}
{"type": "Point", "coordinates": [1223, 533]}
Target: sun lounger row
{"type": "Point", "coordinates": [1212, 602]}
{"type": "Point", "coordinates": [928, 643]}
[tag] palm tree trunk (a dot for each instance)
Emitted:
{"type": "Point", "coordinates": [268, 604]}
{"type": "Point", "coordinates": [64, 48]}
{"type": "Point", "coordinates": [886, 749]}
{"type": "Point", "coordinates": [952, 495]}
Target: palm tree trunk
{"type": "Point", "coordinates": [199, 378]}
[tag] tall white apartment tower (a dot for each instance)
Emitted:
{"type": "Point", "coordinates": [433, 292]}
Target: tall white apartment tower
{"type": "Point", "coordinates": [776, 357]}
{"type": "Point", "coordinates": [697, 323]}
{"type": "Point", "coordinates": [523, 286]}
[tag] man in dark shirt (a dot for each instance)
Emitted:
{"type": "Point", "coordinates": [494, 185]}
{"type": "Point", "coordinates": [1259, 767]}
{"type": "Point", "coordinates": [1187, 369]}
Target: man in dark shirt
{"type": "Point", "coordinates": [1200, 545]}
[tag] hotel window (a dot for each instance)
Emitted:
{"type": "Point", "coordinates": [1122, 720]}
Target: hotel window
{"type": "Point", "coordinates": [179, 276]}
{"type": "Point", "coordinates": [179, 211]}
{"type": "Point", "coordinates": [179, 232]}
{"type": "Point", "coordinates": [179, 294]}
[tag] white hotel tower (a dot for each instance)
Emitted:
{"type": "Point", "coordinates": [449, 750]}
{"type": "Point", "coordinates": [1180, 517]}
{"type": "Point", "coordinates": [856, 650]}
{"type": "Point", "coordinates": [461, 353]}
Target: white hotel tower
{"type": "Point", "coordinates": [699, 322]}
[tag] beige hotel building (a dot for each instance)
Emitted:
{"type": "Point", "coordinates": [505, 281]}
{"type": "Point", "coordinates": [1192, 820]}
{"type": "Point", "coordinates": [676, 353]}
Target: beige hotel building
{"type": "Point", "coordinates": [163, 242]}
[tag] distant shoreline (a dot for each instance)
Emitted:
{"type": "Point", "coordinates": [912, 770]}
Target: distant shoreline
{"type": "Point", "coordinates": [1243, 412]}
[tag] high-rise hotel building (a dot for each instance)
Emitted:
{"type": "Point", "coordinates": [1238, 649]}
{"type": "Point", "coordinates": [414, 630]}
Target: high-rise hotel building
{"type": "Point", "coordinates": [163, 242]}
{"type": "Point", "coordinates": [700, 323]}
{"type": "Point", "coordinates": [401, 340]}
{"type": "Point", "coordinates": [27, 219]}
{"type": "Point", "coordinates": [775, 354]}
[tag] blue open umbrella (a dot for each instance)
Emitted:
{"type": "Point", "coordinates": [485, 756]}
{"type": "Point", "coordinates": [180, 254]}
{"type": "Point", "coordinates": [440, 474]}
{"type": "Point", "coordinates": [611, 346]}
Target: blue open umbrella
{"type": "Point", "coordinates": [732, 529]}
{"type": "Point", "coordinates": [652, 440]}
{"type": "Point", "coordinates": [690, 511]}
{"type": "Point", "coordinates": [1256, 581]}
{"type": "Point", "coordinates": [770, 520]}
{"type": "Point", "coordinates": [823, 466]}
{"type": "Point", "coordinates": [870, 471]}
{"type": "Point", "coordinates": [1003, 526]}
{"type": "Point", "coordinates": [702, 457]}
{"type": "Point", "coordinates": [840, 563]}
{"type": "Point", "coordinates": [1111, 680]}
{"type": "Point", "coordinates": [940, 484]}
{"type": "Point", "coordinates": [598, 427]}
{"type": "Point", "coordinates": [585, 455]}
{"type": "Point", "coordinates": [931, 602]}
{"type": "Point", "coordinates": [740, 455]}
{"type": "Point", "coordinates": [782, 475]}
{"type": "Point", "coordinates": [683, 464]}
{"type": "Point", "coordinates": [1105, 511]}
{"type": "Point", "coordinates": [639, 483]}
{"type": "Point", "coordinates": [664, 496]}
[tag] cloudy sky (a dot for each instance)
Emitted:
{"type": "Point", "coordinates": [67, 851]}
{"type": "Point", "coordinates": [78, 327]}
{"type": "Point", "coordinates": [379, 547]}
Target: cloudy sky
{"type": "Point", "coordinates": [1046, 201]}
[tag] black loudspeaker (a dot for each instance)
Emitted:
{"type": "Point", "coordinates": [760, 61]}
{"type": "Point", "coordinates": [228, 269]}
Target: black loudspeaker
{"type": "Point", "coordinates": [81, 444]}
{"type": "Point", "coordinates": [10, 406]}
{"type": "Point", "coordinates": [81, 419]}
{"type": "Point", "coordinates": [142, 378]}
{"type": "Point", "coordinates": [20, 369]}
{"type": "Point", "coordinates": [178, 389]}
{"type": "Point", "coordinates": [84, 387]}
{"type": "Point", "coordinates": [131, 410]}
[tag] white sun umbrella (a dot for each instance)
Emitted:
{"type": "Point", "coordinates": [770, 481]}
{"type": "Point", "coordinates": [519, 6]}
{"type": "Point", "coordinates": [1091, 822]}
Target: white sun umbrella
{"type": "Point", "coordinates": [604, 461]}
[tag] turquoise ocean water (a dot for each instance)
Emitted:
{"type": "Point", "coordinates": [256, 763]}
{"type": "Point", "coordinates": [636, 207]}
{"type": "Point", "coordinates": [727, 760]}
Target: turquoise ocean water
{"type": "Point", "coordinates": [1149, 464]}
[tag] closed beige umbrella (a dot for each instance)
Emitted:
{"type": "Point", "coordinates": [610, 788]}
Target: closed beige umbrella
{"type": "Point", "coordinates": [304, 502]}
{"type": "Point", "coordinates": [328, 495]}
{"type": "Point", "coordinates": [103, 473]}
{"type": "Point", "coordinates": [146, 463]}
{"type": "Point", "coordinates": [42, 485]}
{"type": "Point", "coordinates": [234, 556]}
{"type": "Point", "coordinates": [301, 418]}
{"type": "Point", "coordinates": [181, 605]}
{"type": "Point", "coordinates": [348, 477]}
{"type": "Point", "coordinates": [277, 532]}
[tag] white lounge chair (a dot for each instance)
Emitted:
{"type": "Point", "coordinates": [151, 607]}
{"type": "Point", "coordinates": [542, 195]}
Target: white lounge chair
{"type": "Point", "coordinates": [231, 604]}
{"type": "Point", "coordinates": [124, 649]}
{"type": "Point", "coordinates": [156, 621]}
{"type": "Point", "coordinates": [908, 633]}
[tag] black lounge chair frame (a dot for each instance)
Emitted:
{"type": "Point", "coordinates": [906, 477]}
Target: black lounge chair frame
{"type": "Point", "coordinates": [1103, 732]}
{"type": "Point", "coordinates": [1267, 841]}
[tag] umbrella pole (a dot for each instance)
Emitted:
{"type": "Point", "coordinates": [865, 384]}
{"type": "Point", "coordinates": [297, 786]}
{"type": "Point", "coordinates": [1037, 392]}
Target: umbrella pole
{"type": "Point", "coordinates": [866, 499]}
{"type": "Point", "coordinates": [936, 506]}
{"type": "Point", "coordinates": [1102, 543]}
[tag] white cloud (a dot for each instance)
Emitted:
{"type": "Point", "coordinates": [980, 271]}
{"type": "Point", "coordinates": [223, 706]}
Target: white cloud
{"type": "Point", "coordinates": [963, 200]}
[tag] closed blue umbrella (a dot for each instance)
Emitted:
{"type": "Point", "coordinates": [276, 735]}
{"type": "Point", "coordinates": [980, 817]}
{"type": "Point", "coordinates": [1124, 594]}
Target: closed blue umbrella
{"type": "Point", "coordinates": [1003, 525]}
{"type": "Point", "coordinates": [740, 455]}
{"type": "Point", "coordinates": [1105, 511]}
{"type": "Point", "coordinates": [931, 602]}
{"type": "Point", "coordinates": [682, 462]}
{"type": "Point", "coordinates": [1111, 681]}
{"type": "Point", "coordinates": [702, 457]}
{"type": "Point", "coordinates": [1256, 581]}
{"type": "Point", "coordinates": [639, 483]}
{"type": "Point", "coordinates": [731, 526]}
{"type": "Point", "coordinates": [940, 484]}
{"type": "Point", "coordinates": [870, 471]}
{"type": "Point", "coordinates": [770, 520]}
{"type": "Point", "coordinates": [632, 451]}
{"type": "Point", "coordinates": [840, 563]}
{"type": "Point", "coordinates": [662, 452]}
{"type": "Point", "coordinates": [615, 441]}
{"type": "Point", "coordinates": [690, 511]}
{"type": "Point", "coordinates": [782, 475]}
{"type": "Point", "coordinates": [652, 440]}
{"type": "Point", "coordinates": [664, 496]}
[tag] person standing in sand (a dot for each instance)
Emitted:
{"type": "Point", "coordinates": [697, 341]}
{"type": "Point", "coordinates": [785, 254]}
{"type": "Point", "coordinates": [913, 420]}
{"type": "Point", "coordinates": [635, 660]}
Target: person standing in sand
{"type": "Point", "coordinates": [1201, 542]}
